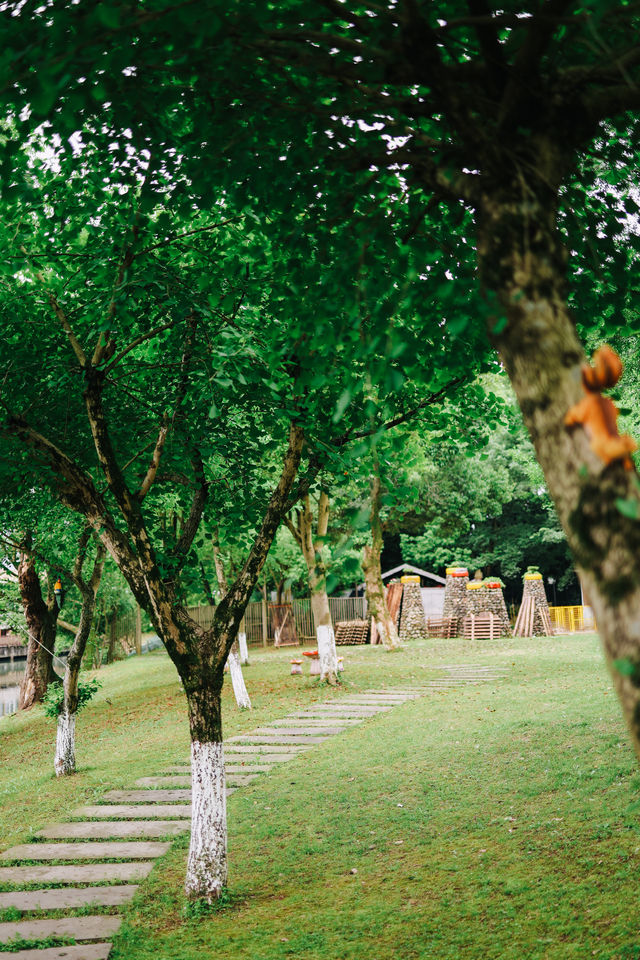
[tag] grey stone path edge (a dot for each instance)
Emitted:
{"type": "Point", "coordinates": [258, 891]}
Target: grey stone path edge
{"type": "Point", "coordinates": [99, 832]}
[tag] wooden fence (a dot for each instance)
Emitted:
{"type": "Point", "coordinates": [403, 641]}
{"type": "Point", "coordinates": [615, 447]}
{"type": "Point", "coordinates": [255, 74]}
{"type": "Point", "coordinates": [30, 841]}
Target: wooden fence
{"type": "Point", "coordinates": [258, 621]}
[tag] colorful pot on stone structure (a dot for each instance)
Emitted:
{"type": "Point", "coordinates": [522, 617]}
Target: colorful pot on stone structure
{"type": "Point", "coordinates": [492, 585]}
{"type": "Point", "coordinates": [409, 579]}
{"type": "Point", "coordinates": [533, 576]}
{"type": "Point", "coordinates": [475, 585]}
{"type": "Point", "coordinates": [457, 572]}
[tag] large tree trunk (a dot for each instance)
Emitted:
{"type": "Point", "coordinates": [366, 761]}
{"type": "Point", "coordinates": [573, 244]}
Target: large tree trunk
{"type": "Point", "coordinates": [371, 567]}
{"type": "Point", "coordinates": [65, 758]}
{"type": "Point", "coordinates": [522, 259]}
{"type": "Point", "coordinates": [41, 617]}
{"type": "Point", "coordinates": [207, 861]}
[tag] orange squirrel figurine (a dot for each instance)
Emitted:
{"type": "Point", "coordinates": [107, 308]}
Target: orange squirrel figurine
{"type": "Point", "coordinates": [598, 414]}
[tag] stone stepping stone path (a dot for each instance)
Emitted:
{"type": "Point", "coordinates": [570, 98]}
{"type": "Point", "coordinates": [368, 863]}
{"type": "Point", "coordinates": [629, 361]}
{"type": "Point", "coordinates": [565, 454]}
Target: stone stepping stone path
{"type": "Point", "coordinates": [133, 826]}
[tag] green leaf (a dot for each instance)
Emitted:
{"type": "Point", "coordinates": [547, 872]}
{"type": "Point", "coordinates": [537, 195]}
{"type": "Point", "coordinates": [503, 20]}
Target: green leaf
{"type": "Point", "coordinates": [628, 508]}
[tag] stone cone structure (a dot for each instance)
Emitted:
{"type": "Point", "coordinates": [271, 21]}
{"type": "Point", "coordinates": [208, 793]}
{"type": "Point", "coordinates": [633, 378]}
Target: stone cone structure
{"type": "Point", "coordinates": [534, 619]}
{"type": "Point", "coordinates": [456, 600]}
{"type": "Point", "coordinates": [486, 599]}
{"type": "Point", "coordinates": [413, 625]}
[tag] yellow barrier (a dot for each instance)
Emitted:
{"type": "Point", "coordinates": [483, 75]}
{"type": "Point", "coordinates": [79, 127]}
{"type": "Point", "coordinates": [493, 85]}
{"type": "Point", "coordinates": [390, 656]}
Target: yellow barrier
{"type": "Point", "coordinates": [571, 619]}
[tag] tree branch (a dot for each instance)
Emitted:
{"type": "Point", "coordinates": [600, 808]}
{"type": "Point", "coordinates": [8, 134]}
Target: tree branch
{"type": "Point", "coordinates": [135, 343]}
{"type": "Point", "coordinates": [146, 484]}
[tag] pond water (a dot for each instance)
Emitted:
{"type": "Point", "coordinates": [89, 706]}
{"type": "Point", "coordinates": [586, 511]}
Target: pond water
{"type": "Point", "coordinates": [10, 677]}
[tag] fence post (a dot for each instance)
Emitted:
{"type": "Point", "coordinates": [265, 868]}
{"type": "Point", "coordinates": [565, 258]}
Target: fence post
{"type": "Point", "coordinates": [138, 638]}
{"type": "Point", "coordinates": [265, 630]}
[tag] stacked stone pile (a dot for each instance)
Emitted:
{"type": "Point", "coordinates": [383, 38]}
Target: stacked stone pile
{"type": "Point", "coordinates": [456, 600]}
{"type": "Point", "coordinates": [494, 603]}
{"type": "Point", "coordinates": [413, 625]}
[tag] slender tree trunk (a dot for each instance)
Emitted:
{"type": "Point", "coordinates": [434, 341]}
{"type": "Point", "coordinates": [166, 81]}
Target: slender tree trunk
{"type": "Point", "coordinates": [41, 617]}
{"type": "Point", "coordinates": [312, 553]}
{"type": "Point", "coordinates": [242, 644]}
{"type": "Point", "coordinates": [371, 567]}
{"type": "Point", "coordinates": [240, 691]}
{"type": "Point", "coordinates": [523, 260]}
{"type": "Point", "coordinates": [65, 758]}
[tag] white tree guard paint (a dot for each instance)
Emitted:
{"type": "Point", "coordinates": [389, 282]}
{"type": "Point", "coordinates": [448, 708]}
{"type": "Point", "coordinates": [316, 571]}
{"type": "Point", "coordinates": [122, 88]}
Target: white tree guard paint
{"type": "Point", "coordinates": [244, 650]}
{"type": "Point", "coordinates": [65, 761]}
{"type": "Point", "coordinates": [237, 680]}
{"type": "Point", "coordinates": [327, 652]}
{"type": "Point", "coordinates": [207, 863]}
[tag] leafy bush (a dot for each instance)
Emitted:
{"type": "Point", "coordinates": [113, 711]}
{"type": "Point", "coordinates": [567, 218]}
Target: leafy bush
{"type": "Point", "coordinates": [53, 700]}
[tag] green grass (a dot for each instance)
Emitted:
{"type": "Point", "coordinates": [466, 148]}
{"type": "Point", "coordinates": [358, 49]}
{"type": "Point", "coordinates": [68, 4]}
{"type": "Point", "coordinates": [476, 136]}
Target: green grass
{"type": "Point", "coordinates": [493, 821]}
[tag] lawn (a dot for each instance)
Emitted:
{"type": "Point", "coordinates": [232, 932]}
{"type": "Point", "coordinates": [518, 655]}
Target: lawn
{"type": "Point", "coordinates": [493, 821]}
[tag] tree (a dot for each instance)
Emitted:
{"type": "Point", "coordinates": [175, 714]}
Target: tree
{"type": "Point", "coordinates": [311, 543]}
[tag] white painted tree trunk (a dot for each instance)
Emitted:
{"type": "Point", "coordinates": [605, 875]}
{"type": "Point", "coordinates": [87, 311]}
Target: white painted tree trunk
{"type": "Point", "coordinates": [65, 761]}
{"type": "Point", "coordinates": [237, 680]}
{"type": "Point", "coordinates": [244, 650]}
{"type": "Point", "coordinates": [207, 863]}
{"type": "Point", "coordinates": [327, 653]}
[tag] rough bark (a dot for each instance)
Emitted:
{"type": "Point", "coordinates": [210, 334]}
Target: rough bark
{"type": "Point", "coordinates": [522, 259]}
{"type": "Point", "coordinates": [41, 617]}
{"type": "Point", "coordinates": [311, 547]}
{"type": "Point", "coordinates": [372, 570]}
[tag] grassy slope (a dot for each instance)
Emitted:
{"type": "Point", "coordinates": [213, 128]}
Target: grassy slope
{"type": "Point", "coordinates": [484, 822]}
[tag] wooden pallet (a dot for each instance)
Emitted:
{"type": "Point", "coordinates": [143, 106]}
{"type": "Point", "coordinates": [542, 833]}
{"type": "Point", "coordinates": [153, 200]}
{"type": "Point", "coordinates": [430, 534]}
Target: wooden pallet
{"type": "Point", "coordinates": [442, 626]}
{"type": "Point", "coordinates": [351, 631]}
{"type": "Point", "coordinates": [482, 626]}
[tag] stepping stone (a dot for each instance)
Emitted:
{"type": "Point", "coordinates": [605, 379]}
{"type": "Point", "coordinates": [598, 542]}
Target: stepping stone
{"type": "Point", "coordinates": [141, 850]}
{"type": "Point", "coordinates": [248, 768]}
{"type": "Point", "coordinates": [299, 731]}
{"type": "Point", "coordinates": [88, 951]}
{"type": "Point", "coordinates": [81, 928]}
{"type": "Point", "coordinates": [267, 739]}
{"type": "Point", "coordinates": [131, 811]}
{"type": "Point", "coordinates": [375, 700]}
{"type": "Point", "coordinates": [67, 898]}
{"type": "Point", "coordinates": [361, 710]}
{"type": "Point", "coordinates": [271, 749]}
{"type": "Point", "coordinates": [232, 781]}
{"type": "Point", "coordinates": [76, 873]}
{"type": "Point", "coordinates": [148, 796]}
{"type": "Point", "coordinates": [234, 756]}
{"type": "Point", "coordinates": [117, 828]}
{"type": "Point", "coordinates": [316, 720]}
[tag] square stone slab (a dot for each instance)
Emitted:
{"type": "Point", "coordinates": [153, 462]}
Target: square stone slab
{"type": "Point", "coordinates": [82, 928]}
{"type": "Point", "coordinates": [67, 898]}
{"type": "Point", "coordinates": [88, 951]}
{"type": "Point", "coordinates": [76, 873]}
{"type": "Point", "coordinates": [131, 811]}
{"type": "Point", "coordinates": [87, 851]}
{"type": "Point", "coordinates": [115, 828]}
